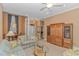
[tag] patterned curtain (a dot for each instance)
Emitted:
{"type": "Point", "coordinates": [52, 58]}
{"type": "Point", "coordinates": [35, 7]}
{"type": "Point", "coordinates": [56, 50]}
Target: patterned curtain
{"type": "Point", "coordinates": [13, 23]}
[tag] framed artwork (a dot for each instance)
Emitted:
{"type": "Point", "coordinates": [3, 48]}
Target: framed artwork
{"type": "Point", "coordinates": [68, 31]}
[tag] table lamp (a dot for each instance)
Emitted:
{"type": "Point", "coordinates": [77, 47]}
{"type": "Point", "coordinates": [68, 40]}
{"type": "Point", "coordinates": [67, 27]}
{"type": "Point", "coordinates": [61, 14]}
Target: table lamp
{"type": "Point", "coordinates": [10, 34]}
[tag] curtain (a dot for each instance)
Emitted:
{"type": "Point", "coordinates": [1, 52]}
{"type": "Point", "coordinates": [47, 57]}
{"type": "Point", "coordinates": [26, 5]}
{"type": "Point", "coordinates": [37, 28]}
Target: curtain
{"type": "Point", "coordinates": [9, 21]}
{"type": "Point", "coordinates": [16, 20]}
{"type": "Point", "coordinates": [13, 24]}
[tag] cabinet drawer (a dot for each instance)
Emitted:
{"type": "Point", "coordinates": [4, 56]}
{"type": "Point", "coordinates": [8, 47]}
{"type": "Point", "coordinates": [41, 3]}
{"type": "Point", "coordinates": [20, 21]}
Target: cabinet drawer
{"type": "Point", "coordinates": [67, 45]}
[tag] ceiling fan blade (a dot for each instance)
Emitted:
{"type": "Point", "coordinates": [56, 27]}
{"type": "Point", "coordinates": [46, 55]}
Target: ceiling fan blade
{"type": "Point", "coordinates": [58, 5]}
{"type": "Point", "coordinates": [44, 3]}
{"type": "Point", "coordinates": [43, 8]}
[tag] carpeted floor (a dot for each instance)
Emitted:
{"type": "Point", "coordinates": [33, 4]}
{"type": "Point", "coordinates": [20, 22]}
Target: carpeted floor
{"type": "Point", "coordinates": [53, 50]}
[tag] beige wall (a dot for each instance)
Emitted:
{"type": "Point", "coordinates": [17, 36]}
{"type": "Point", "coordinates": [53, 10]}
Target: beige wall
{"type": "Point", "coordinates": [0, 23]}
{"type": "Point", "coordinates": [67, 17]}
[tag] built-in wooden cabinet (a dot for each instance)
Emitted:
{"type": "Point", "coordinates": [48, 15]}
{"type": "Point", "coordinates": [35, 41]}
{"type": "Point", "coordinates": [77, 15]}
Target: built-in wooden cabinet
{"type": "Point", "coordinates": [56, 35]}
{"type": "Point", "coordinates": [68, 36]}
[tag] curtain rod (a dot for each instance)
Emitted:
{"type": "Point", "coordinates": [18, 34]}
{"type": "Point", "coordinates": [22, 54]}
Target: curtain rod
{"type": "Point", "coordinates": [14, 14]}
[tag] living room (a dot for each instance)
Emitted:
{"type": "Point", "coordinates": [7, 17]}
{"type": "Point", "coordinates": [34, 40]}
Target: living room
{"type": "Point", "coordinates": [40, 28]}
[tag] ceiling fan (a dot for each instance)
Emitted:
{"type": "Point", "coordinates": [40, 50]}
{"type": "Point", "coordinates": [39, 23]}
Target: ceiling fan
{"type": "Point", "coordinates": [50, 5]}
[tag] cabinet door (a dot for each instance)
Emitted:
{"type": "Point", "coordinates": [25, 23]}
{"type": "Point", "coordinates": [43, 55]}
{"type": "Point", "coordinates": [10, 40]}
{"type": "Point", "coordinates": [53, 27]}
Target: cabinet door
{"type": "Point", "coordinates": [53, 32]}
{"type": "Point", "coordinates": [48, 34]}
{"type": "Point", "coordinates": [59, 33]}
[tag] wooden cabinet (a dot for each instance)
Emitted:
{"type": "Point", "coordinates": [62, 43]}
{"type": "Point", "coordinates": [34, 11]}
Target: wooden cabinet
{"type": "Point", "coordinates": [55, 35]}
{"type": "Point", "coordinates": [68, 36]}
{"type": "Point", "coordinates": [48, 35]}
{"type": "Point", "coordinates": [67, 44]}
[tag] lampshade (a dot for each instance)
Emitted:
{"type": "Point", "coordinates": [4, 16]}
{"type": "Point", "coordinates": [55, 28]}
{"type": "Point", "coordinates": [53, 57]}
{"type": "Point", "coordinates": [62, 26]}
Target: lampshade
{"type": "Point", "coordinates": [10, 33]}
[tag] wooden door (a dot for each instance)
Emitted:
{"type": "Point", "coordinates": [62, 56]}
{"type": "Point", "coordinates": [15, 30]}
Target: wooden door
{"type": "Point", "coordinates": [59, 34]}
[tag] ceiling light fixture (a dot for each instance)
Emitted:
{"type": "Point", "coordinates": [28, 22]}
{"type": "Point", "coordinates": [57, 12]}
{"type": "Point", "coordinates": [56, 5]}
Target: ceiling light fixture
{"type": "Point", "coordinates": [49, 5]}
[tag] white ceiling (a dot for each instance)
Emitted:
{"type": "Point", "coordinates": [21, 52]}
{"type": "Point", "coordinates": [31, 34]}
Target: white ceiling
{"type": "Point", "coordinates": [33, 9]}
